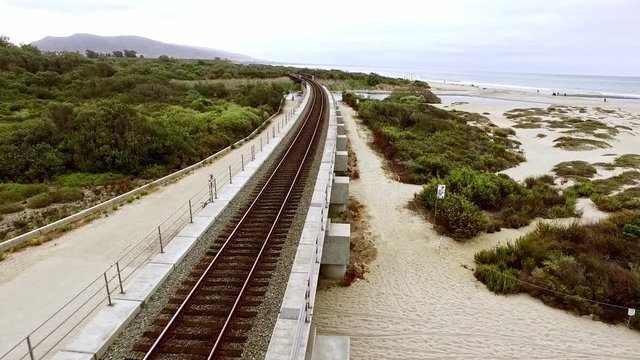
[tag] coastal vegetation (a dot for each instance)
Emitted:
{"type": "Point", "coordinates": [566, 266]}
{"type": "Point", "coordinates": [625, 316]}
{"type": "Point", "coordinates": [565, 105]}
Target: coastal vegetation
{"type": "Point", "coordinates": [427, 145]}
{"type": "Point", "coordinates": [591, 269]}
{"type": "Point", "coordinates": [75, 131]}
{"type": "Point", "coordinates": [481, 201]}
{"type": "Point", "coordinates": [423, 141]}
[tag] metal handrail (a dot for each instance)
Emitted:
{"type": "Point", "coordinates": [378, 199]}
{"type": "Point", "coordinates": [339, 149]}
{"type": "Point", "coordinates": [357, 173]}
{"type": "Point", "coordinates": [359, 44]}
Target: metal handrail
{"type": "Point", "coordinates": [311, 281]}
{"type": "Point", "coordinates": [149, 244]}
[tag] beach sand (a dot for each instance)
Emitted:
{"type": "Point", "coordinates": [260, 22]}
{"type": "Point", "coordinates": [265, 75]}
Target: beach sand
{"type": "Point", "coordinates": [420, 302]}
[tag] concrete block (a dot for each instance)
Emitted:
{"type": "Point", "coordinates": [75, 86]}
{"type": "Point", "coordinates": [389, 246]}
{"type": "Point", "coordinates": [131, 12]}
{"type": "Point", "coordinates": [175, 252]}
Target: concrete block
{"type": "Point", "coordinates": [176, 250]}
{"type": "Point", "coordinates": [335, 251]}
{"type": "Point", "coordinates": [340, 190]}
{"type": "Point", "coordinates": [332, 132]}
{"type": "Point", "coordinates": [193, 230]}
{"type": "Point", "coordinates": [294, 296]}
{"type": "Point", "coordinates": [281, 343]}
{"type": "Point", "coordinates": [302, 261]}
{"type": "Point", "coordinates": [69, 355]}
{"type": "Point", "coordinates": [145, 283]}
{"type": "Point", "coordinates": [339, 119]}
{"type": "Point", "coordinates": [104, 327]}
{"type": "Point", "coordinates": [331, 347]}
{"type": "Point", "coordinates": [342, 129]}
{"type": "Point", "coordinates": [341, 162]}
{"type": "Point", "coordinates": [338, 111]}
{"type": "Point", "coordinates": [341, 143]}
{"type": "Point", "coordinates": [319, 198]}
{"type": "Point", "coordinates": [310, 232]}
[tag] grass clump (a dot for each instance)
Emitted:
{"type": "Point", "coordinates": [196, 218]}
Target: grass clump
{"type": "Point", "coordinates": [603, 191]}
{"type": "Point", "coordinates": [61, 195]}
{"type": "Point", "coordinates": [503, 132]}
{"type": "Point", "coordinates": [87, 179]}
{"type": "Point", "coordinates": [11, 208]}
{"type": "Point", "coordinates": [577, 263]}
{"type": "Point", "coordinates": [12, 192]}
{"type": "Point", "coordinates": [578, 144]}
{"type": "Point", "coordinates": [578, 170]}
{"type": "Point", "coordinates": [527, 125]}
{"type": "Point", "coordinates": [483, 201]}
{"type": "Point", "coordinates": [628, 161]}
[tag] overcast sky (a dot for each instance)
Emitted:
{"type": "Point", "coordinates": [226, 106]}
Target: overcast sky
{"type": "Point", "coordinates": [561, 36]}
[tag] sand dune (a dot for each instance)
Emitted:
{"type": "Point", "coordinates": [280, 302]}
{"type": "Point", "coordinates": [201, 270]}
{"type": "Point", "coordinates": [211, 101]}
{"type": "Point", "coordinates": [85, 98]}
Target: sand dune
{"type": "Point", "coordinates": [418, 302]}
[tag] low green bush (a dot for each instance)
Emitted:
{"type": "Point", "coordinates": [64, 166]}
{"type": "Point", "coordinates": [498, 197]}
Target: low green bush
{"type": "Point", "coordinates": [483, 201]}
{"type": "Point", "coordinates": [11, 208]}
{"type": "Point", "coordinates": [500, 282]}
{"type": "Point", "coordinates": [61, 195]}
{"type": "Point", "coordinates": [572, 266]}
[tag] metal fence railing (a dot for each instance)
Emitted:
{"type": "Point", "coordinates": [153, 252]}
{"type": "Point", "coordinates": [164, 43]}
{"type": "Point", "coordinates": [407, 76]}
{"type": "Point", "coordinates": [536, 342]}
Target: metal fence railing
{"type": "Point", "coordinates": [304, 316]}
{"type": "Point", "coordinates": [45, 338]}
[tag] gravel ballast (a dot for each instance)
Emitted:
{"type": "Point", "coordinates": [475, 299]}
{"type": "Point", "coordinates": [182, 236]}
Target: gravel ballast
{"type": "Point", "coordinates": [258, 341]}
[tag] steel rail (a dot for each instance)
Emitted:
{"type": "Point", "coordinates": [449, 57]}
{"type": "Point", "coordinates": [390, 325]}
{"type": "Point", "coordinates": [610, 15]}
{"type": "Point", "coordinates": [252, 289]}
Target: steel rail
{"type": "Point", "coordinates": [275, 222]}
{"type": "Point", "coordinates": [155, 349]}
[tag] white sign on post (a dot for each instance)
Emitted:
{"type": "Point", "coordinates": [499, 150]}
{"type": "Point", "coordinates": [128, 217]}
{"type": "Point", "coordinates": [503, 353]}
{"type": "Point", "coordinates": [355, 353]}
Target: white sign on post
{"type": "Point", "coordinates": [631, 312]}
{"type": "Point", "coordinates": [441, 191]}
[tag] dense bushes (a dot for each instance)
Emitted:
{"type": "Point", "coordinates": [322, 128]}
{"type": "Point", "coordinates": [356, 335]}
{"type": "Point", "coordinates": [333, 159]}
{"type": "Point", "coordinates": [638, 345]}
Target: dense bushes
{"type": "Point", "coordinates": [425, 142]}
{"type": "Point", "coordinates": [598, 262]}
{"type": "Point", "coordinates": [483, 201]}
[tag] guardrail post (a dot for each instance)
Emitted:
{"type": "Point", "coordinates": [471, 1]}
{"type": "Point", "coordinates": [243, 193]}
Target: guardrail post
{"type": "Point", "coordinates": [119, 277]}
{"type": "Point", "coordinates": [230, 179]}
{"type": "Point", "coordinates": [260, 143]}
{"type": "Point", "coordinates": [253, 152]}
{"type": "Point", "coordinates": [190, 212]}
{"type": "Point", "coordinates": [267, 136]}
{"type": "Point", "coordinates": [160, 237]}
{"type": "Point", "coordinates": [31, 356]}
{"type": "Point", "coordinates": [215, 189]}
{"type": "Point", "coordinates": [274, 132]}
{"type": "Point", "coordinates": [278, 127]}
{"type": "Point", "coordinates": [211, 180]}
{"type": "Point", "coordinates": [106, 285]}
{"type": "Point", "coordinates": [242, 161]}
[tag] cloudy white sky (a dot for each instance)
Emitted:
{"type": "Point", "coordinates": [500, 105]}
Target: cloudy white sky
{"type": "Point", "coordinates": [561, 36]}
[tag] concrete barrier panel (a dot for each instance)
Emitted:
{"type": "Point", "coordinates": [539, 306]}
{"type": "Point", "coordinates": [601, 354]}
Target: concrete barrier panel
{"type": "Point", "coordinates": [341, 161]}
{"type": "Point", "coordinates": [340, 190]}
{"type": "Point", "coordinates": [341, 143]}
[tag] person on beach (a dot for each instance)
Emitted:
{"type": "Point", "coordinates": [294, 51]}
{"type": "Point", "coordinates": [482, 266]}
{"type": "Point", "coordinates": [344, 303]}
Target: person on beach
{"type": "Point", "coordinates": [605, 99]}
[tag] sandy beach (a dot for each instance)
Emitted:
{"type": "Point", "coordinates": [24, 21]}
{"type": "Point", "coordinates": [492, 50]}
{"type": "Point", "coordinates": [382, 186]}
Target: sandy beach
{"type": "Point", "coordinates": [421, 301]}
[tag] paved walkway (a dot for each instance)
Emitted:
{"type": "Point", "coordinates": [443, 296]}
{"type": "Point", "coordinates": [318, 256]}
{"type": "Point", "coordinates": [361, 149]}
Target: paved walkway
{"type": "Point", "coordinates": [37, 281]}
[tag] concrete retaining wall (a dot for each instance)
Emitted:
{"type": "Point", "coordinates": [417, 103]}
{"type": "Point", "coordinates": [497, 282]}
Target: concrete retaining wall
{"type": "Point", "coordinates": [293, 336]}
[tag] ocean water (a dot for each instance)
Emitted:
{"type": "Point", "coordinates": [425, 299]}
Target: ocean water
{"type": "Point", "coordinates": [624, 86]}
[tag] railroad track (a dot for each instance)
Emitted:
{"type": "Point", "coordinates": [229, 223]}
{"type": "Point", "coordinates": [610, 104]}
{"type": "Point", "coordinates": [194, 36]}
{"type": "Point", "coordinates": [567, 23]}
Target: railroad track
{"type": "Point", "coordinates": [210, 314]}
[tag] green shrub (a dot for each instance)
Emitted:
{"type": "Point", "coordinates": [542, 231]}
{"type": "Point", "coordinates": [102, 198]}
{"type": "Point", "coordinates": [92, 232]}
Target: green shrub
{"type": "Point", "coordinates": [61, 195]}
{"type": "Point", "coordinates": [500, 282]}
{"type": "Point", "coordinates": [571, 265]}
{"type": "Point", "coordinates": [12, 192]}
{"type": "Point", "coordinates": [41, 200]}
{"type": "Point", "coordinates": [10, 208]}
{"type": "Point", "coordinates": [87, 179]}
{"type": "Point", "coordinates": [67, 194]}
{"type": "Point", "coordinates": [504, 132]}
{"type": "Point", "coordinates": [575, 170]}
{"type": "Point", "coordinates": [460, 218]}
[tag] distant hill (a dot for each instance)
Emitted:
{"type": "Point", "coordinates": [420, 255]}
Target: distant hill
{"type": "Point", "coordinates": [143, 46]}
